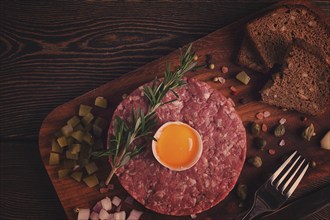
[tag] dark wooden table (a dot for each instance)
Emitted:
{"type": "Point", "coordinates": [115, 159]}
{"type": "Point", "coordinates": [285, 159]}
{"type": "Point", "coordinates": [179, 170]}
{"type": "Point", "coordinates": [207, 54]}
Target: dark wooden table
{"type": "Point", "coordinates": [54, 51]}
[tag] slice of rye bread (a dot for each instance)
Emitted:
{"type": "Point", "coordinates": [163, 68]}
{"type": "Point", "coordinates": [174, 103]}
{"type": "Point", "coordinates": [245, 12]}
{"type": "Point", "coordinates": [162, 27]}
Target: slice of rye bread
{"type": "Point", "coordinates": [248, 57]}
{"type": "Point", "coordinates": [272, 33]}
{"type": "Point", "coordinates": [304, 83]}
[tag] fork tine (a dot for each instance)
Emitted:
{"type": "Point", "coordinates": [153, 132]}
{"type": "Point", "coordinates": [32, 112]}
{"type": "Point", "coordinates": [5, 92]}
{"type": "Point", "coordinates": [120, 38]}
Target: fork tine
{"type": "Point", "coordinates": [286, 173]}
{"type": "Point", "coordinates": [279, 170]}
{"type": "Point", "coordinates": [294, 186]}
{"type": "Point", "coordinates": [293, 175]}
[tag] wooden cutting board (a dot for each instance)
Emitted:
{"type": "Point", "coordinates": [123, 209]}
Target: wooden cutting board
{"type": "Point", "coordinates": [222, 45]}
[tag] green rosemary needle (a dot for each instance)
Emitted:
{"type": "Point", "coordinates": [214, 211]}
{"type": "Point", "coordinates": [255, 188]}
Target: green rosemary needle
{"type": "Point", "coordinates": [122, 145]}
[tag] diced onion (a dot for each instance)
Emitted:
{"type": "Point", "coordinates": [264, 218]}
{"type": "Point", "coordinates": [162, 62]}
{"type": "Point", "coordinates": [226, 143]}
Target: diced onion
{"type": "Point", "coordinates": [134, 215]}
{"type": "Point", "coordinates": [106, 203]}
{"type": "Point", "coordinates": [116, 201]}
{"type": "Point", "coordinates": [83, 214]}
{"type": "Point", "coordinates": [193, 216]}
{"type": "Point", "coordinates": [104, 214]}
{"type": "Point", "coordinates": [97, 207]}
{"type": "Point", "coordinates": [94, 216]}
{"type": "Point", "coordinates": [119, 215]}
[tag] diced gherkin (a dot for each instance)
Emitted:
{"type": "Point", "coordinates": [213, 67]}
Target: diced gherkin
{"type": "Point", "coordinates": [91, 180]}
{"type": "Point", "coordinates": [71, 156]}
{"type": "Point", "coordinates": [243, 77]}
{"type": "Point", "coordinates": [84, 110]}
{"type": "Point", "coordinates": [91, 168]}
{"type": "Point", "coordinates": [67, 130]}
{"type": "Point", "coordinates": [56, 147]}
{"type": "Point", "coordinates": [87, 119]}
{"type": "Point", "coordinates": [63, 173]}
{"type": "Point", "coordinates": [88, 138]}
{"type": "Point", "coordinates": [78, 135]}
{"type": "Point", "coordinates": [62, 141]}
{"type": "Point", "coordinates": [75, 148]}
{"type": "Point", "coordinates": [54, 159]}
{"type": "Point", "coordinates": [77, 175]}
{"type": "Point", "coordinates": [101, 102]}
{"type": "Point", "coordinates": [74, 121]}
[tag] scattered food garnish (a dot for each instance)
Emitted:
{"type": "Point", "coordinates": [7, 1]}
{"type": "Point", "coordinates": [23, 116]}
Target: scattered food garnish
{"type": "Point", "coordinates": [119, 215]}
{"type": "Point", "coordinates": [241, 191]}
{"type": "Point", "coordinates": [63, 173]}
{"type": "Point", "coordinates": [243, 77]}
{"type": "Point", "coordinates": [264, 127]}
{"type": "Point", "coordinates": [195, 57]}
{"type": "Point", "coordinates": [271, 151]}
{"type": "Point", "coordinates": [255, 129]}
{"type": "Point", "coordinates": [260, 115]}
{"type": "Point", "coordinates": [106, 203]}
{"type": "Point", "coordinates": [255, 161]}
{"type": "Point", "coordinates": [83, 214]}
{"type": "Point", "coordinates": [282, 143]}
{"type": "Point", "coordinates": [77, 175]}
{"type": "Point", "coordinates": [221, 80]}
{"type": "Point", "coordinates": [282, 121]}
{"type": "Point", "coordinates": [104, 214]}
{"type": "Point", "coordinates": [121, 149]}
{"type": "Point", "coordinates": [233, 90]}
{"type": "Point", "coordinates": [91, 168]}
{"type": "Point", "coordinates": [215, 79]}
{"type": "Point", "coordinates": [212, 66]}
{"type": "Point", "coordinates": [260, 143]}
{"type": "Point", "coordinates": [116, 201]}
{"type": "Point", "coordinates": [325, 141]}
{"type": "Point", "coordinates": [193, 216]}
{"type": "Point", "coordinates": [104, 190]}
{"type": "Point", "coordinates": [224, 69]}
{"type": "Point", "coordinates": [97, 207]}
{"type": "Point", "coordinates": [266, 114]}
{"type": "Point", "coordinates": [313, 164]}
{"type": "Point", "coordinates": [84, 110]}
{"type": "Point", "coordinates": [308, 132]}
{"type": "Point", "coordinates": [54, 159]}
{"type": "Point", "coordinates": [279, 130]}
{"type": "Point", "coordinates": [91, 180]}
{"type": "Point", "coordinates": [101, 102]}
{"type": "Point", "coordinates": [94, 216]}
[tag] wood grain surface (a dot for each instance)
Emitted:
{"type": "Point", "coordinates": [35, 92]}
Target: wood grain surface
{"type": "Point", "coordinates": [52, 52]}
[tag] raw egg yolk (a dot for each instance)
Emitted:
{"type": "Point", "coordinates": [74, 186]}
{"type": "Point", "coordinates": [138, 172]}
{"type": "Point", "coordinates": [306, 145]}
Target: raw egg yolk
{"type": "Point", "coordinates": [177, 145]}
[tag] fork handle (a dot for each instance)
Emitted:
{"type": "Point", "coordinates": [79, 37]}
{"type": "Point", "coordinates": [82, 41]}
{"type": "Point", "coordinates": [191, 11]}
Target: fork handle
{"type": "Point", "coordinates": [258, 207]}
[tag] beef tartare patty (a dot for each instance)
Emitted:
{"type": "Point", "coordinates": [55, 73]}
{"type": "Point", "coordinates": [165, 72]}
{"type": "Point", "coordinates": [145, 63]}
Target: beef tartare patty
{"type": "Point", "coordinates": [214, 175]}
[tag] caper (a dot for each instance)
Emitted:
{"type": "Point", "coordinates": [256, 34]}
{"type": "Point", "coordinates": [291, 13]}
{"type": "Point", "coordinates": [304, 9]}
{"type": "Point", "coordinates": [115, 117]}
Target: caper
{"type": "Point", "coordinates": [309, 132]}
{"type": "Point", "coordinates": [255, 161]}
{"type": "Point", "coordinates": [279, 130]}
{"type": "Point", "coordinates": [313, 164]}
{"type": "Point", "coordinates": [260, 143]}
{"type": "Point", "coordinates": [255, 129]}
{"type": "Point", "coordinates": [241, 191]}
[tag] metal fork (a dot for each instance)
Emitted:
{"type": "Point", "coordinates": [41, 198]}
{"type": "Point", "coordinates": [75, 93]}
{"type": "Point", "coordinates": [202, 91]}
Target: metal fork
{"type": "Point", "coordinates": [274, 192]}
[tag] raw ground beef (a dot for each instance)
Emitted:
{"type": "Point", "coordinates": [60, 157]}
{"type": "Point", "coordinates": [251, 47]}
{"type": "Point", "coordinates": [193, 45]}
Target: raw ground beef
{"type": "Point", "coordinates": [215, 174]}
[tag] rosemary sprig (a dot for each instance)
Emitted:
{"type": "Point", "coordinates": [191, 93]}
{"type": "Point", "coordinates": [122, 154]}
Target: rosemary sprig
{"type": "Point", "coordinates": [122, 141]}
